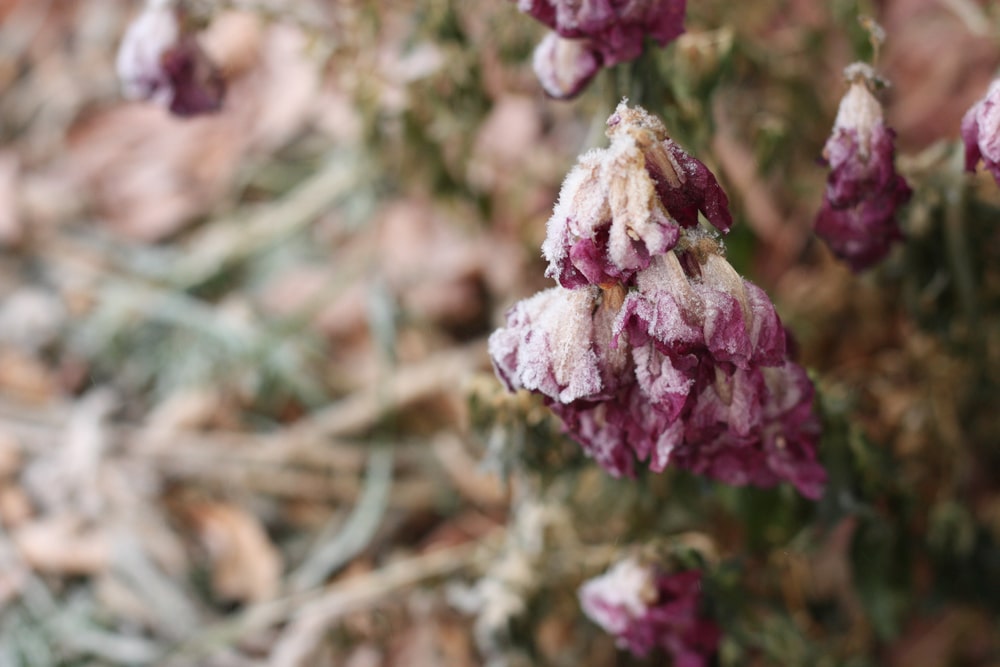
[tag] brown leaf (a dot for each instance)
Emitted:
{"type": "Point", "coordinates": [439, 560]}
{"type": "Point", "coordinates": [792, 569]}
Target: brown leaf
{"type": "Point", "coordinates": [63, 545]}
{"type": "Point", "coordinates": [246, 566]}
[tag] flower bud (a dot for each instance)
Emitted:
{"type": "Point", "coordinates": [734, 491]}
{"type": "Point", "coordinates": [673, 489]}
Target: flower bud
{"type": "Point", "coordinates": [646, 609]}
{"type": "Point", "coordinates": [863, 191]}
{"type": "Point", "coordinates": [159, 61]}
{"type": "Point", "coordinates": [981, 132]}
{"type": "Point", "coordinates": [605, 32]}
{"type": "Point", "coordinates": [622, 205]}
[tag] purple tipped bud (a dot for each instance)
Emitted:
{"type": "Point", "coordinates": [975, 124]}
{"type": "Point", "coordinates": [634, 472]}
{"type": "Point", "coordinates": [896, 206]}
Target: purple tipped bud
{"type": "Point", "coordinates": [159, 62]}
{"type": "Point", "coordinates": [645, 609]}
{"type": "Point", "coordinates": [981, 132]}
{"type": "Point", "coordinates": [863, 190]}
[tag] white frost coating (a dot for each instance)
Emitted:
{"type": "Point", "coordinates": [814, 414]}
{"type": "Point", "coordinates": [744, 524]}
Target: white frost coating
{"type": "Point", "coordinates": [860, 111]}
{"type": "Point", "coordinates": [138, 64]}
{"type": "Point", "coordinates": [551, 335]}
{"type": "Point", "coordinates": [627, 586]}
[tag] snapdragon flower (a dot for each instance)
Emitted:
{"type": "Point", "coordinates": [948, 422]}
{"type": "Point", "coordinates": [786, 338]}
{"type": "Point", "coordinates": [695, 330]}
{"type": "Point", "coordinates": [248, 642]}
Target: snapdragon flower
{"type": "Point", "coordinates": [645, 609]}
{"type": "Point", "coordinates": [599, 33]}
{"type": "Point", "coordinates": [981, 132]}
{"type": "Point", "coordinates": [863, 191]}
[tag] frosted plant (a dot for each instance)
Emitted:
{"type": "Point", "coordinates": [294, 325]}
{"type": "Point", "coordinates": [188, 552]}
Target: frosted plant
{"type": "Point", "coordinates": [160, 60]}
{"type": "Point", "coordinates": [653, 349]}
{"type": "Point", "coordinates": [587, 36]}
{"type": "Point", "coordinates": [863, 191]}
{"type": "Point", "coordinates": [981, 132]}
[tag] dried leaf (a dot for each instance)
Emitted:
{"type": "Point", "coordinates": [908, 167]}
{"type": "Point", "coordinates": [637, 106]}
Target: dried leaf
{"type": "Point", "coordinates": [246, 566]}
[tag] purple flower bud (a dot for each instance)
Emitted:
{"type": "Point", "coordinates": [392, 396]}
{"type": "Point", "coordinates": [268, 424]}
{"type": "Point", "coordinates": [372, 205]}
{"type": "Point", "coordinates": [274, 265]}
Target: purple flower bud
{"type": "Point", "coordinates": [645, 609]}
{"type": "Point", "coordinates": [622, 205]}
{"type": "Point", "coordinates": [615, 28]}
{"type": "Point", "coordinates": [981, 132]}
{"type": "Point", "coordinates": [158, 61]}
{"type": "Point", "coordinates": [558, 343]}
{"type": "Point", "coordinates": [564, 66]}
{"type": "Point", "coordinates": [863, 191]}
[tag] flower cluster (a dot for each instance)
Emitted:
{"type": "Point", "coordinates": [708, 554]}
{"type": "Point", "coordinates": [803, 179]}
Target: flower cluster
{"type": "Point", "coordinates": [587, 36]}
{"type": "Point", "coordinates": [160, 60]}
{"type": "Point", "coordinates": [652, 348]}
{"type": "Point", "coordinates": [863, 191]}
{"type": "Point", "coordinates": [645, 609]}
{"type": "Point", "coordinates": [981, 132]}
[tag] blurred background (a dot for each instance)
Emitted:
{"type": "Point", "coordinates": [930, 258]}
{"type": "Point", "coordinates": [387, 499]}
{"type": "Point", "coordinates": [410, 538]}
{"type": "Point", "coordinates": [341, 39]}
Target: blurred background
{"type": "Point", "coordinates": [246, 412]}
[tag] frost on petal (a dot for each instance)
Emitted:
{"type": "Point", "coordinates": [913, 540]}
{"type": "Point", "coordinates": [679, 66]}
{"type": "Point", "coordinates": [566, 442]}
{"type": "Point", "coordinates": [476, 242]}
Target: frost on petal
{"type": "Point", "coordinates": [863, 191]}
{"type": "Point", "coordinates": [981, 132]}
{"type": "Point", "coordinates": [549, 346]}
{"type": "Point", "coordinates": [665, 385]}
{"type": "Point", "coordinates": [645, 609]}
{"type": "Point", "coordinates": [563, 66]}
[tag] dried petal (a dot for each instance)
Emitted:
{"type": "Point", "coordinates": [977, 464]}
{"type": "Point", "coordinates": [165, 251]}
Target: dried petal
{"type": "Point", "coordinates": [563, 66]}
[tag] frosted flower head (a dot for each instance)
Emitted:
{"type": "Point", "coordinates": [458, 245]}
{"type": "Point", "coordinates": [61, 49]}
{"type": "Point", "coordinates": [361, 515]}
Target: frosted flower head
{"type": "Point", "coordinates": [595, 34]}
{"type": "Point", "coordinates": [623, 205]}
{"type": "Point", "coordinates": [160, 62]}
{"type": "Point", "coordinates": [558, 343]}
{"type": "Point", "coordinates": [981, 132]}
{"type": "Point", "coordinates": [645, 609]}
{"type": "Point", "coordinates": [863, 191]}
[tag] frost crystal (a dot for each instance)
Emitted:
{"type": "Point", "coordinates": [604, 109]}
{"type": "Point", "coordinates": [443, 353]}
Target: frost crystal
{"type": "Point", "coordinates": [160, 62]}
{"type": "Point", "coordinates": [645, 609]}
{"type": "Point", "coordinates": [981, 132]}
{"type": "Point", "coordinates": [656, 351]}
{"type": "Point", "coordinates": [863, 191]}
{"type": "Point", "coordinates": [601, 33]}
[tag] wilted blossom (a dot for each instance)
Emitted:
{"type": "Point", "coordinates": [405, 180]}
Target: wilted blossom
{"type": "Point", "coordinates": [161, 61]}
{"type": "Point", "coordinates": [981, 132]}
{"type": "Point", "coordinates": [622, 205]}
{"type": "Point", "coordinates": [646, 609]}
{"type": "Point", "coordinates": [599, 33]}
{"type": "Point", "coordinates": [653, 349]}
{"type": "Point", "coordinates": [863, 190]}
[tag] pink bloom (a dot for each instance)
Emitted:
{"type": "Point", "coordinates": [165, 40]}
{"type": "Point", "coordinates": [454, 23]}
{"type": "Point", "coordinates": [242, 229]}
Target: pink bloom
{"type": "Point", "coordinates": [595, 34]}
{"type": "Point", "coordinates": [160, 62]}
{"type": "Point", "coordinates": [981, 132]}
{"type": "Point", "coordinates": [863, 191]}
{"type": "Point", "coordinates": [645, 609]}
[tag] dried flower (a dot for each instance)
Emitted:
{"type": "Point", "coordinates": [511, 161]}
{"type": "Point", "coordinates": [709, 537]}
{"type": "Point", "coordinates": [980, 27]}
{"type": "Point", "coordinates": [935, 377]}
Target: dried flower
{"type": "Point", "coordinates": [645, 609]}
{"type": "Point", "coordinates": [863, 191]}
{"type": "Point", "coordinates": [601, 33]}
{"type": "Point", "coordinates": [981, 132]}
{"type": "Point", "coordinates": [622, 205]}
{"type": "Point", "coordinates": [653, 349]}
{"type": "Point", "coordinates": [160, 61]}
